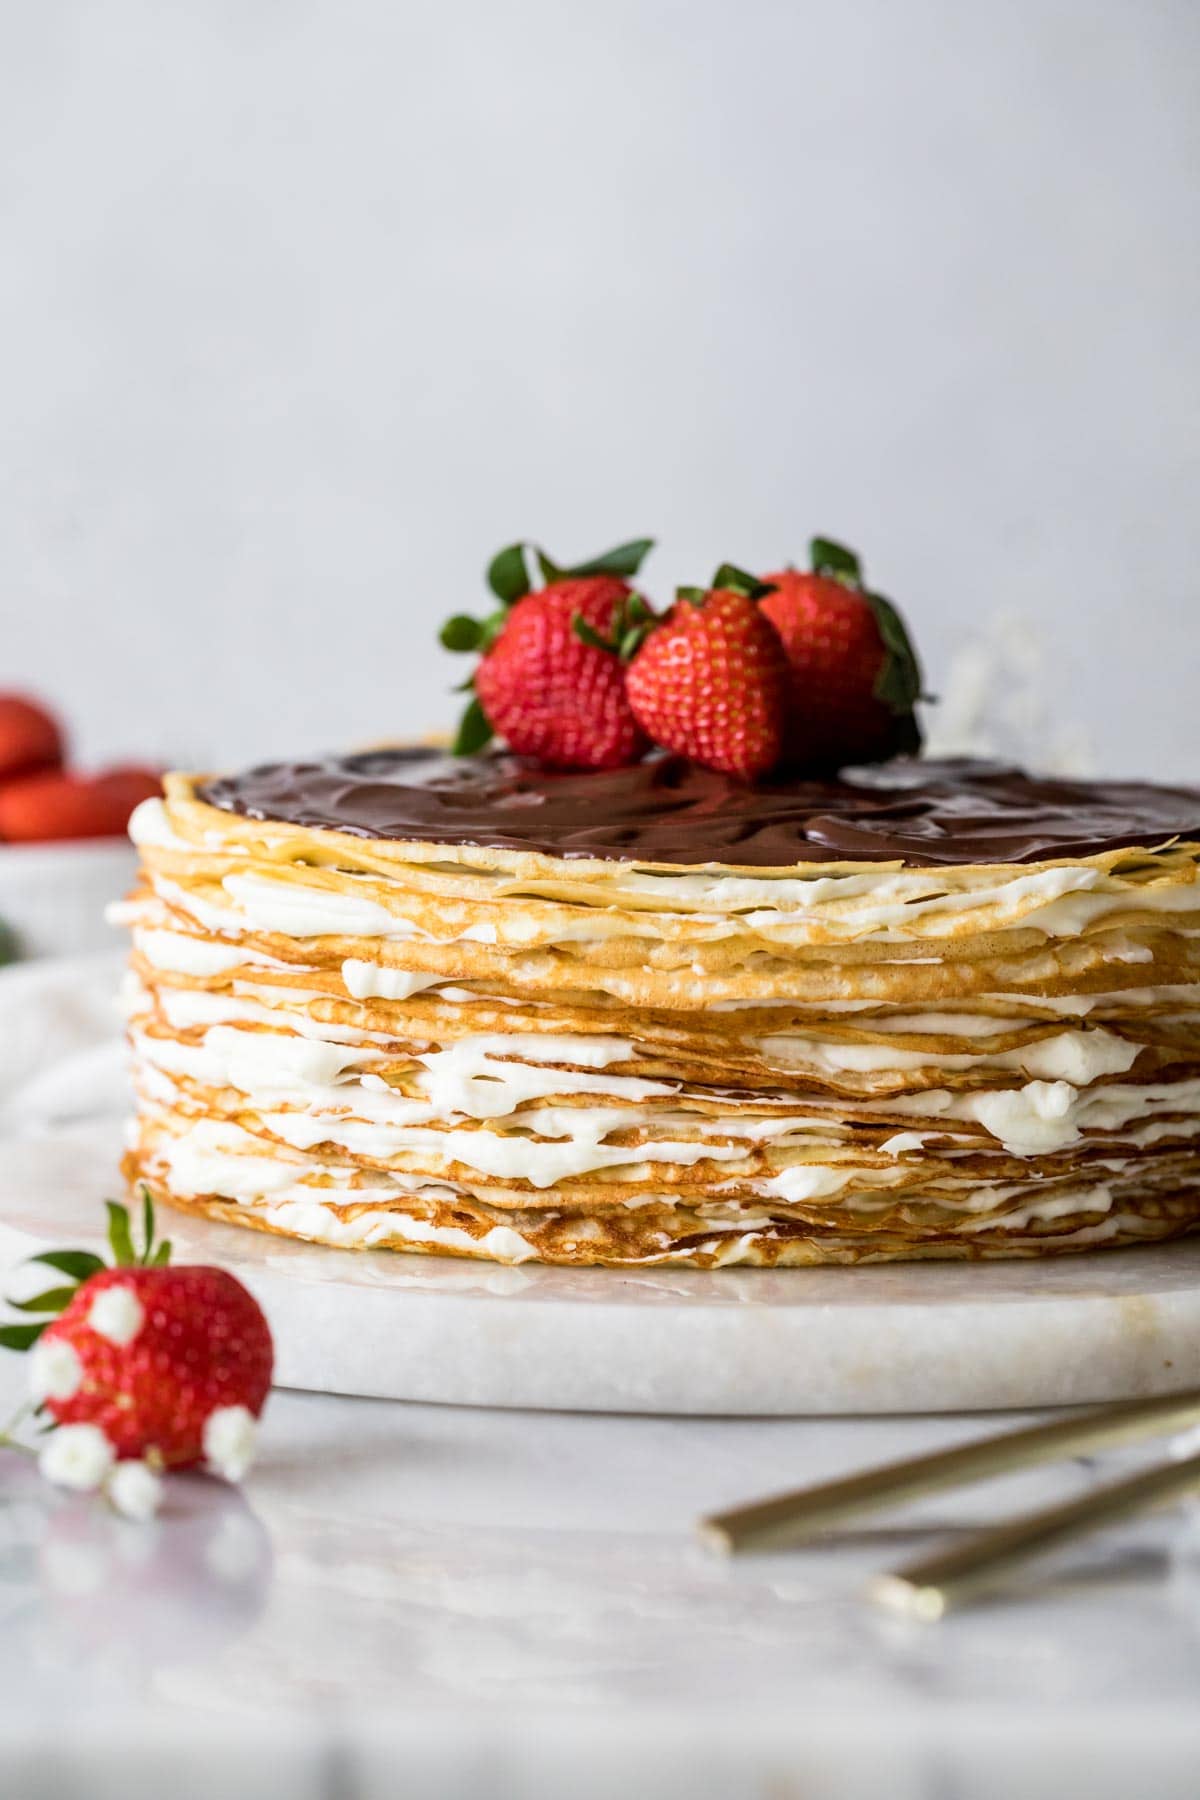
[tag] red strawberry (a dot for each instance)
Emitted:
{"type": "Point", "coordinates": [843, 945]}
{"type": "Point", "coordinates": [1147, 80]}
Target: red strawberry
{"type": "Point", "coordinates": [854, 674]}
{"type": "Point", "coordinates": [551, 680]}
{"type": "Point", "coordinates": [53, 804]}
{"type": "Point", "coordinates": [148, 1353]}
{"type": "Point", "coordinates": [710, 680]}
{"type": "Point", "coordinates": [30, 737]}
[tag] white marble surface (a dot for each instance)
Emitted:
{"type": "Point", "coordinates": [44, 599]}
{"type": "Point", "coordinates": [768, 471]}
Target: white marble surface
{"type": "Point", "coordinates": [421, 1600]}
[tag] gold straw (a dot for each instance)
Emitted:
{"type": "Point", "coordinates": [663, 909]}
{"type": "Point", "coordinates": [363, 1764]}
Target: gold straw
{"type": "Point", "coordinates": [790, 1518]}
{"type": "Point", "coordinates": [929, 1588]}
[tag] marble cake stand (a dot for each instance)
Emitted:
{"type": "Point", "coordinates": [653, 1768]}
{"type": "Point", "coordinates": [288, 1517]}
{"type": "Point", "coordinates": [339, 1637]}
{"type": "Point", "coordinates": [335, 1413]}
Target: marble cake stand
{"type": "Point", "coordinates": [905, 1338]}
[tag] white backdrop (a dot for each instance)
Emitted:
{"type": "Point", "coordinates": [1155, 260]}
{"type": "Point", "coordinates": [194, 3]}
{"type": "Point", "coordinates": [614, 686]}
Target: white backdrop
{"type": "Point", "coordinates": [307, 305]}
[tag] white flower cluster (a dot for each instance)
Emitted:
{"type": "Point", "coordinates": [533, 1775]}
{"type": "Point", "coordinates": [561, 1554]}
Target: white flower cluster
{"type": "Point", "coordinates": [81, 1457]}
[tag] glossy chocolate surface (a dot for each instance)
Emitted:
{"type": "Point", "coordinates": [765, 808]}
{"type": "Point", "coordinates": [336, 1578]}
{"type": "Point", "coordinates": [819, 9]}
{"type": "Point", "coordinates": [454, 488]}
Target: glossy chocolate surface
{"type": "Point", "coordinates": [668, 810]}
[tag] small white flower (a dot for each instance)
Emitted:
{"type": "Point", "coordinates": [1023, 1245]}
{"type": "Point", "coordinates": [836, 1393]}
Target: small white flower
{"type": "Point", "coordinates": [76, 1456]}
{"type": "Point", "coordinates": [117, 1314]}
{"type": "Point", "coordinates": [55, 1372]}
{"type": "Point", "coordinates": [135, 1490]}
{"type": "Point", "coordinates": [229, 1440]}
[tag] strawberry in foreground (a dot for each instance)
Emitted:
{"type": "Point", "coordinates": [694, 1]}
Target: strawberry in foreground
{"type": "Point", "coordinates": [30, 737]}
{"type": "Point", "coordinates": [550, 678]}
{"type": "Point", "coordinates": [710, 681]}
{"type": "Point", "coordinates": [854, 676]}
{"type": "Point", "coordinates": [168, 1366]}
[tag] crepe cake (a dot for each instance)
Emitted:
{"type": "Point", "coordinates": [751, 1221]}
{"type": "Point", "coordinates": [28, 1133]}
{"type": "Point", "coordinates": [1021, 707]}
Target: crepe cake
{"type": "Point", "coordinates": [651, 1015]}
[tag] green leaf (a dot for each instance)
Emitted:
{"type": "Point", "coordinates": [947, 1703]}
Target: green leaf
{"type": "Point", "coordinates": [77, 1263]}
{"type": "Point", "coordinates": [8, 943]}
{"type": "Point", "coordinates": [461, 633]}
{"type": "Point", "coordinates": [507, 574]}
{"type": "Point", "coordinates": [20, 1337]}
{"type": "Point", "coordinates": [898, 683]}
{"type": "Point", "coordinates": [119, 1235]}
{"type": "Point", "coordinates": [695, 596]}
{"type": "Point", "coordinates": [587, 634]}
{"type": "Point", "coordinates": [162, 1255]}
{"type": "Point", "coordinates": [550, 571]}
{"type": "Point", "coordinates": [632, 642]}
{"type": "Point", "coordinates": [833, 559]}
{"type": "Point", "coordinates": [52, 1301]}
{"type": "Point", "coordinates": [474, 731]}
{"type": "Point", "coordinates": [740, 582]}
{"type": "Point", "coordinates": [625, 560]}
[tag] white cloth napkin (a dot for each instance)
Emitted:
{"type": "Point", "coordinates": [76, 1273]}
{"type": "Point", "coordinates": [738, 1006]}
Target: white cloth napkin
{"type": "Point", "coordinates": [61, 1051]}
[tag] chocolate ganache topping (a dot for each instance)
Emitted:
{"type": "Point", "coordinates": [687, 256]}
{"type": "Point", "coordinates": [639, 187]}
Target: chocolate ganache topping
{"type": "Point", "coordinates": [669, 810]}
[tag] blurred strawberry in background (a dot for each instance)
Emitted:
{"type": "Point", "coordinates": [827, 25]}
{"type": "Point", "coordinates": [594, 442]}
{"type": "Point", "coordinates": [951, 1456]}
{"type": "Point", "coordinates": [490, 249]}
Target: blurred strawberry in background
{"type": "Point", "coordinates": [30, 737]}
{"type": "Point", "coordinates": [41, 800]}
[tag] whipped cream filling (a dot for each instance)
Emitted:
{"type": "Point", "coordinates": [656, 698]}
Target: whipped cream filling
{"type": "Point", "coordinates": [176, 953]}
{"type": "Point", "coordinates": [1077, 1056]}
{"type": "Point", "coordinates": [150, 828]}
{"type": "Point", "coordinates": [372, 981]}
{"type": "Point", "coordinates": [266, 1064]}
{"type": "Point", "coordinates": [503, 1157]}
{"type": "Point", "coordinates": [475, 1077]}
{"type": "Point", "coordinates": [295, 910]}
{"type": "Point", "coordinates": [809, 1181]}
{"type": "Point", "coordinates": [1039, 1118]}
{"type": "Point", "coordinates": [902, 1141]}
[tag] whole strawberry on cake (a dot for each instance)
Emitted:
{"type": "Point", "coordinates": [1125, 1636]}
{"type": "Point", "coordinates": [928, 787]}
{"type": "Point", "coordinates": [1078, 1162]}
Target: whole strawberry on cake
{"type": "Point", "coordinates": [683, 955]}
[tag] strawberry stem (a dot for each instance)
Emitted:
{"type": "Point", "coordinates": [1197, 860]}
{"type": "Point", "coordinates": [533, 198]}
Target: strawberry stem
{"type": "Point", "coordinates": [632, 622]}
